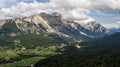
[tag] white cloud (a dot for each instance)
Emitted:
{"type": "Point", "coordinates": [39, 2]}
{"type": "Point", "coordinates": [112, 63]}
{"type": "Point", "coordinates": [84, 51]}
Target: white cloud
{"type": "Point", "coordinates": [105, 4]}
{"type": "Point", "coordinates": [71, 9]}
{"type": "Point", "coordinates": [112, 25]}
{"type": "Point", "coordinates": [24, 9]}
{"type": "Point", "coordinates": [118, 22]}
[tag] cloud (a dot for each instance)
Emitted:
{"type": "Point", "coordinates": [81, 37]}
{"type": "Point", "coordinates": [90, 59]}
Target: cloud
{"type": "Point", "coordinates": [112, 25]}
{"type": "Point", "coordinates": [23, 9]}
{"type": "Point", "coordinates": [118, 23]}
{"type": "Point", "coordinates": [89, 4]}
{"type": "Point", "coordinates": [105, 5]}
{"type": "Point", "coordinates": [71, 9]}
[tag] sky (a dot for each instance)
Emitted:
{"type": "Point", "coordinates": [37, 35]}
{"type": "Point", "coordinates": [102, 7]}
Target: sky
{"type": "Point", "coordinates": [106, 12]}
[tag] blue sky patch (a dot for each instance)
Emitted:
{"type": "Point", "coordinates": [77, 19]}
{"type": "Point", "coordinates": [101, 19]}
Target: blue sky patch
{"type": "Point", "coordinates": [43, 0]}
{"type": "Point", "coordinates": [105, 16]}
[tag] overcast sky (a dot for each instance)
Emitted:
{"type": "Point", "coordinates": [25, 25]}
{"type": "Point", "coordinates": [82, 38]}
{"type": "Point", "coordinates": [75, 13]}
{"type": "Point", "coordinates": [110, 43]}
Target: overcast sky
{"type": "Point", "coordinates": [106, 12]}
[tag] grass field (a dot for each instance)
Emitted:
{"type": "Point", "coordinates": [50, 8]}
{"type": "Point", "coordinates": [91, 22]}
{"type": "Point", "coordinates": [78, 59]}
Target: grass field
{"type": "Point", "coordinates": [23, 62]}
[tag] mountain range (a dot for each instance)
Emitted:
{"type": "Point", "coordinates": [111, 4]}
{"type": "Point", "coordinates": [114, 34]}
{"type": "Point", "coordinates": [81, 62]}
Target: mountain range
{"type": "Point", "coordinates": [51, 24]}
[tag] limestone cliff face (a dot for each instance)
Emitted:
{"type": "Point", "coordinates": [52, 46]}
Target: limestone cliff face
{"type": "Point", "coordinates": [2, 22]}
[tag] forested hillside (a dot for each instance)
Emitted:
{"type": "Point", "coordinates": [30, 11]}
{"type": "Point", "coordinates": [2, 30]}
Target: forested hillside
{"type": "Point", "coordinates": [102, 52]}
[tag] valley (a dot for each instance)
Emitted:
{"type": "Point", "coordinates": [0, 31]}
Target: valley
{"type": "Point", "coordinates": [44, 40]}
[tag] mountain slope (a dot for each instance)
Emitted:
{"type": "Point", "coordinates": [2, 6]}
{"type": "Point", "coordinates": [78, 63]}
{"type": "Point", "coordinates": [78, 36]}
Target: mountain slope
{"type": "Point", "coordinates": [102, 52]}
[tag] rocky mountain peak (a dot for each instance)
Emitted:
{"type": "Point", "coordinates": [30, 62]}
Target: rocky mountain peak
{"type": "Point", "coordinates": [96, 27]}
{"type": "Point", "coordinates": [57, 14]}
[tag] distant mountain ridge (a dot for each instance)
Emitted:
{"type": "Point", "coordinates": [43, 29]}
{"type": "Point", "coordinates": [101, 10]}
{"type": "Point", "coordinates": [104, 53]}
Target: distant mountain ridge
{"type": "Point", "coordinates": [113, 30]}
